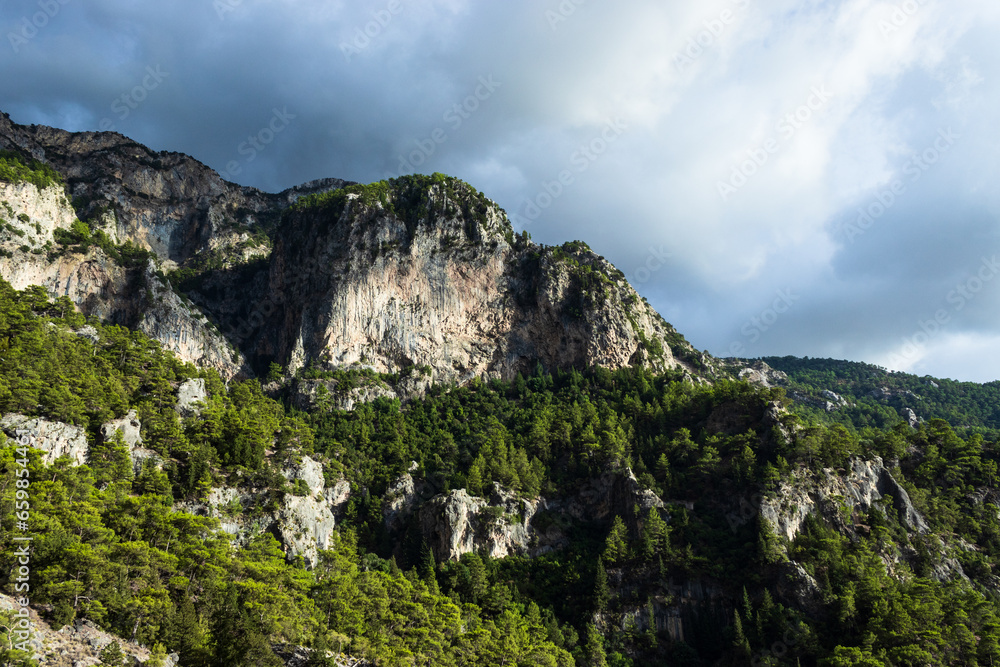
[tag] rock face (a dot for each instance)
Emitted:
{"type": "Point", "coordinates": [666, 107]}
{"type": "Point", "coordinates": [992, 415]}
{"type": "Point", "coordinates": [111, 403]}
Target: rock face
{"type": "Point", "coordinates": [419, 272]}
{"type": "Point", "coordinates": [758, 372]}
{"type": "Point", "coordinates": [430, 274]}
{"type": "Point", "coordinates": [136, 297]}
{"type": "Point", "coordinates": [189, 395]}
{"type": "Point", "coordinates": [167, 203]}
{"type": "Point", "coordinates": [130, 427]}
{"type": "Point", "coordinates": [54, 438]}
{"type": "Point", "coordinates": [864, 485]}
{"type": "Point", "coordinates": [76, 645]}
{"type": "Point", "coordinates": [680, 608]}
{"type": "Point", "coordinates": [328, 395]}
{"type": "Point", "coordinates": [303, 524]}
{"type": "Point", "coordinates": [503, 524]}
{"type": "Point", "coordinates": [459, 523]}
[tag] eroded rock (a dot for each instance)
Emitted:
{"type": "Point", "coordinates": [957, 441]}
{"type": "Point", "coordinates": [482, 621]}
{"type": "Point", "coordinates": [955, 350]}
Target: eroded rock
{"type": "Point", "coordinates": [54, 438]}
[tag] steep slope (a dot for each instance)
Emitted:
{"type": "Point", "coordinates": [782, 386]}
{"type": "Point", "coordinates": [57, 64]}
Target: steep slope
{"type": "Point", "coordinates": [420, 271]}
{"type": "Point", "coordinates": [425, 271]}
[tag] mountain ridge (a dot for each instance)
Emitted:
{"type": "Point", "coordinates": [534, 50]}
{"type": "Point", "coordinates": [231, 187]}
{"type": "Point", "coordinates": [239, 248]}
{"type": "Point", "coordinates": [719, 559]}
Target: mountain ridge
{"type": "Point", "coordinates": [501, 303]}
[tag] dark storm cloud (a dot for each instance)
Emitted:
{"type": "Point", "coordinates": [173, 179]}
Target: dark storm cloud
{"type": "Point", "coordinates": [625, 125]}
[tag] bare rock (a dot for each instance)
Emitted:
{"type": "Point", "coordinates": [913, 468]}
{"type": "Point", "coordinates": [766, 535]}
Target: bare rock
{"type": "Point", "coordinates": [305, 525]}
{"type": "Point", "coordinates": [310, 471]}
{"type": "Point", "coordinates": [338, 495]}
{"type": "Point", "coordinates": [329, 395]}
{"type": "Point", "coordinates": [799, 587]}
{"type": "Point", "coordinates": [129, 427]}
{"type": "Point", "coordinates": [401, 499]}
{"type": "Point", "coordinates": [190, 396]}
{"type": "Point", "coordinates": [55, 438]}
{"type": "Point", "coordinates": [864, 484]}
{"type": "Point", "coordinates": [758, 372]}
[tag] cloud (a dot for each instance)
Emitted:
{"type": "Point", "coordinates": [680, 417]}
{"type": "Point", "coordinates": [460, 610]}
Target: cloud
{"type": "Point", "coordinates": [708, 93]}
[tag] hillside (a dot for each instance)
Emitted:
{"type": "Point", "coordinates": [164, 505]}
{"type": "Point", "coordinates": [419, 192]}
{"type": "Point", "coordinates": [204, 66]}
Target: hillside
{"type": "Point", "coordinates": [386, 430]}
{"type": "Point", "coordinates": [869, 395]}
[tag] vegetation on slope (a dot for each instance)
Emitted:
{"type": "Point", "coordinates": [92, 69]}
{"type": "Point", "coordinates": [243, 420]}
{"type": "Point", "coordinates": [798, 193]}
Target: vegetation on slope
{"type": "Point", "coordinates": [879, 397]}
{"type": "Point", "coordinates": [15, 168]}
{"type": "Point", "coordinates": [111, 546]}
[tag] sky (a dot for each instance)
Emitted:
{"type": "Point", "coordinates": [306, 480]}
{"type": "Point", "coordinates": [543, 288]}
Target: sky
{"type": "Point", "coordinates": [777, 177]}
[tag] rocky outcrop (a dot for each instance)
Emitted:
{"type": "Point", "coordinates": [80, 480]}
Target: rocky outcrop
{"type": "Point", "coordinates": [136, 297]}
{"type": "Point", "coordinates": [304, 524]}
{"type": "Point", "coordinates": [166, 202]}
{"type": "Point", "coordinates": [504, 524]}
{"type": "Point", "coordinates": [458, 523]}
{"type": "Point", "coordinates": [677, 607]}
{"type": "Point", "coordinates": [191, 395]}
{"type": "Point", "coordinates": [55, 439]}
{"type": "Point", "coordinates": [76, 645]}
{"type": "Point", "coordinates": [329, 395]}
{"type": "Point", "coordinates": [799, 587]}
{"type": "Point", "coordinates": [80, 643]}
{"type": "Point", "coordinates": [863, 486]}
{"type": "Point", "coordinates": [758, 372]}
{"type": "Point", "coordinates": [130, 429]}
{"type": "Point", "coordinates": [310, 471]}
{"type": "Point", "coordinates": [419, 272]}
{"type": "Point", "coordinates": [402, 498]}
{"type": "Point", "coordinates": [430, 274]}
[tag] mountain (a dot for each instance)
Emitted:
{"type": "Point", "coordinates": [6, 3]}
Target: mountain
{"type": "Point", "coordinates": [371, 425]}
{"type": "Point", "coordinates": [419, 271]}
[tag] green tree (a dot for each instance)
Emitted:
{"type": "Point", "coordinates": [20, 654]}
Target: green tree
{"type": "Point", "coordinates": [616, 545]}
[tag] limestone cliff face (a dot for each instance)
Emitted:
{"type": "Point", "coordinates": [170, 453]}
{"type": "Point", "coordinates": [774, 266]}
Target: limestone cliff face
{"type": "Point", "coordinates": [136, 297]}
{"type": "Point", "coordinates": [55, 439]}
{"type": "Point", "coordinates": [504, 524]}
{"type": "Point", "coordinates": [420, 271]}
{"type": "Point", "coordinates": [429, 273]}
{"type": "Point", "coordinates": [166, 202]}
{"type": "Point", "coordinates": [303, 524]}
{"type": "Point", "coordinates": [860, 488]}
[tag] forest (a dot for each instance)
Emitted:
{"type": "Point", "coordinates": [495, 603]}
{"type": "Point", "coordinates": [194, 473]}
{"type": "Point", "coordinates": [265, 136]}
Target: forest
{"type": "Point", "coordinates": [111, 546]}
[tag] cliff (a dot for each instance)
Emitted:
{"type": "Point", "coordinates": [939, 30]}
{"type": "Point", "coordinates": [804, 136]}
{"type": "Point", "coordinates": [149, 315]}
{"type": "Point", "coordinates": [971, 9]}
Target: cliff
{"type": "Point", "coordinates": [416, 272]}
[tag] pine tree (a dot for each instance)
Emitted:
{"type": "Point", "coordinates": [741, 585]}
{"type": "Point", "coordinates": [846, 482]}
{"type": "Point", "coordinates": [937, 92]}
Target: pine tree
{"type": "Point", "coordinates": [601, 591]}
{"type": "Point", "coordinates": [616, 547]}
{"type": "Point", "coordinates": [112, 655]}
{"type": "Point", "coordinates": [594, 648]}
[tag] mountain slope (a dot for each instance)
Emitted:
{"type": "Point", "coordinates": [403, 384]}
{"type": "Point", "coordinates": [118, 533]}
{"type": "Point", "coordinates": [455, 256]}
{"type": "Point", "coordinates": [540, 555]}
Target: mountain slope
{"type": "Point", "coordinates": [420, 271]}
